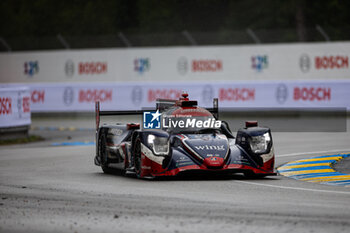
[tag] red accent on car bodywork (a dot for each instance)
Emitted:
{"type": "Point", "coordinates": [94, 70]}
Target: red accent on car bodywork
{"type": "Point", "coordinates": [184, 96]}
{"type": "Point", "coordinates": [191, 111]}
{"type": "Point", "coordinates": [146, 166]}
{"type": "Point", "coordinates": [230, 167]}
{"type": "Point", "coordinates": [154, 169]}
{"type": "Point", "coordinates": [214, 162]}
{"type": "Point", "coordinates": [269, 165]}
{"type": "Point", "coordinates": [249, 124]}
{"type": "Point", "coordinates": [133, 126]}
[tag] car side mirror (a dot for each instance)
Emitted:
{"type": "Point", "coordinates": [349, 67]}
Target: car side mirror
{"type": "Point", "coordinates": [226, 129]}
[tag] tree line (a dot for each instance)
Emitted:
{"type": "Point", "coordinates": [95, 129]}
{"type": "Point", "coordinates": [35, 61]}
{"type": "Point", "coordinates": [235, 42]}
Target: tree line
{"type": "Point", "coordinates": [91, 17]}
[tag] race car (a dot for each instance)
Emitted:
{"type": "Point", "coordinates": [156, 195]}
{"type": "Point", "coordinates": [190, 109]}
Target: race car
{"type": "Point", "coordinates": [178, 137]}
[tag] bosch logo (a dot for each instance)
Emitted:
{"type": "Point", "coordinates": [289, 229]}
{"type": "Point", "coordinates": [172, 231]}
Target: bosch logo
{"type": "Point", "coordinates": [312, 93]}
{"type": "Point", "coordinates": [68, 96]}
{"type": "Point", "coordinates": [207, 65]}
{"type": "Point", "coordinates": [305, 63]}
{"type": "Point", "coordinates": [281, 93]}
{"type": "Point", "coordinates": [38, 96]}
{"type": "Point", "coordinates": [5, 106]}
{"type": "Point", "coordinates": [237, 94]}
{"type": "Point", "coordinates": [92, 68]}
{"type": "Point", "coordinates": [136, 95]}
{"type": "Point", "coordinates": [69, 68]}
{"type": "Point", "coordinates": [182, 65]}
{"type": "Point", "coordinates": [153, 95]}
{"type": "Point", "coordinates": [207, 94]}
{"type": "Point", "coordinates": [331, 62]}
{"type": "Point", "coordinates": [26, 104]}
{"type": "Point", "coordinates": [93, 95]}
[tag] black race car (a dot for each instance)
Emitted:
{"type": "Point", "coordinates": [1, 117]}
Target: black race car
{"type": "Point", "coordinates": [180, 137]}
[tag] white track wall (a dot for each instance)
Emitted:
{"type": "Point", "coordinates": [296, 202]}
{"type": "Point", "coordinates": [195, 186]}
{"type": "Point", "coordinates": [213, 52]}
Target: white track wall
{"type": "Point", "coordinates": [286, 75]}
{"type": "Point", "coordinates": [225, 63]}
{"type": "Point", "coordinates": [14, 107]}
{"type": "Point", "coordinates": [76, 97]}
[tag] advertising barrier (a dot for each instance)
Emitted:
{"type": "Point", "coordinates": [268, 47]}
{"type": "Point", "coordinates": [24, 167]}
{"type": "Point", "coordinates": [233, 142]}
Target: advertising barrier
{"type": "Point", "coordinates": [299, 61]}
{"type": "Point", "coordinates": [15, 107]}
{"type": "Point", "coordinates": [75, 97]}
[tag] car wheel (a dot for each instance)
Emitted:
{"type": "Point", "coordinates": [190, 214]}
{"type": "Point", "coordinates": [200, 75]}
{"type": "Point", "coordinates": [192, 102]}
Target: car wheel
{"type": "Point", "coordinates": [103, 155]}
{"type": "Point", "coordinates": [137, 157]}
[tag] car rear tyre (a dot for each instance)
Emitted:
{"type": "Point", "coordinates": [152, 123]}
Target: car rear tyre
{"type": "Point", "coordinates": [103, 155]}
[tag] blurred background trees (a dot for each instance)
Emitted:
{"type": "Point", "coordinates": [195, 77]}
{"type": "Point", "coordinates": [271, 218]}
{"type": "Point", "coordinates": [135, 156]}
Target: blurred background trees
{"type": "Point", "coordinates": [44, 18]}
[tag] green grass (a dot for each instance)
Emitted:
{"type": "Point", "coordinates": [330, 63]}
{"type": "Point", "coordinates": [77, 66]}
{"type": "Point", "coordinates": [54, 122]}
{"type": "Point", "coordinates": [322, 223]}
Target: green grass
{"type": "Point", "coordinates": [30, 138]}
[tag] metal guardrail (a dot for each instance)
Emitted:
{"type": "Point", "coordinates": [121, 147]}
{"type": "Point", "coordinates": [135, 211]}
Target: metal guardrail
{"type": "Point", "coordinates": [14, 132]}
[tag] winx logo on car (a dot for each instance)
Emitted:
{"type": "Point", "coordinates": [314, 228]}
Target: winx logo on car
{"type": "Point", "coordinates": [212, 147]}
{"type": "Point", "coordinates": [151, 120]}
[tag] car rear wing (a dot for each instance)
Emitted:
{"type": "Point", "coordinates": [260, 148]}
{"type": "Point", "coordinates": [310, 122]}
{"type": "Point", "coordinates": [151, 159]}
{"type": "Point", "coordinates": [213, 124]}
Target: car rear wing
{"type": "Point", "coordinates": [161, 105]}
{"type": "Point", "coordinates": [164, 104]}
{"type": "Point", "coordinates": [99, 113]}
{"type": "Point", "coordinates": [215, 109]}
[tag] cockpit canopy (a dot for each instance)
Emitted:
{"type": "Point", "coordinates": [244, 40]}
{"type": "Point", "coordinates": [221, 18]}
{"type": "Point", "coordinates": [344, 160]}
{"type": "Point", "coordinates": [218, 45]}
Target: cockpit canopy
{"type": "Point", "coordinates": [183, 115]}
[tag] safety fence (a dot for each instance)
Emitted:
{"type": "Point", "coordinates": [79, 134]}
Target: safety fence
{"type": "Point", "coordinates": [181, 38]}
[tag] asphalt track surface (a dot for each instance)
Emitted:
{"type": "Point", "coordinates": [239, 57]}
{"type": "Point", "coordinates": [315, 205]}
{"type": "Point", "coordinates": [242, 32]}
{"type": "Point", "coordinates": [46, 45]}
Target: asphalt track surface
{"type": "Point", "coordinates": [44, 188]}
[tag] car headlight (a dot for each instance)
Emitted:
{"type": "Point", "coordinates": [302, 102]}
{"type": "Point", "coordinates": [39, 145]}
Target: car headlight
{"type": "Point", "coordinates": [259, 144]}
{"type": "Point", "coordinates": [159, 145]}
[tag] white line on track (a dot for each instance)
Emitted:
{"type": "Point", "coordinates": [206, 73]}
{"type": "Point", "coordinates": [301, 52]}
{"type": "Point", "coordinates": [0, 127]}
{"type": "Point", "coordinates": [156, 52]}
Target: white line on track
{"type": "Point", "coordinates": [293, 188]}
{"type": "Point", "coordinates": [313, 152]}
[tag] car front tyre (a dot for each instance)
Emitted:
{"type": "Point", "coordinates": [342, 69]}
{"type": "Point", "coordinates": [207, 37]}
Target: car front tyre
{"type": "Point", "coordinates": [137, 157]}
